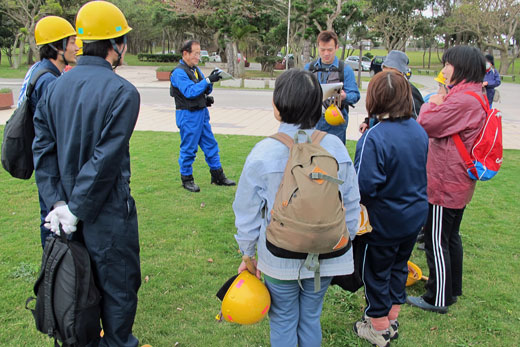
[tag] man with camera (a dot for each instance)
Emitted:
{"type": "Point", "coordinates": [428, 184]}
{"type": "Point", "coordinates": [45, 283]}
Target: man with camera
{"type": "Point", "coordinates": [191, 92]}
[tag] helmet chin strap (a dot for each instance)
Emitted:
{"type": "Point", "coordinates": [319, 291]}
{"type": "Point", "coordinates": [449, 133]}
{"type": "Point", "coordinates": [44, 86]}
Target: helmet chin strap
{"type": "Point", "coordinates": [116, 49]}
{"type": "Point", "coordinates": [64, 44]}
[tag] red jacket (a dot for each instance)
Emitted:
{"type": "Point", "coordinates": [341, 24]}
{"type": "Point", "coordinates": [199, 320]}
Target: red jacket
{"type": "Point", "coordinates": [448, 182]}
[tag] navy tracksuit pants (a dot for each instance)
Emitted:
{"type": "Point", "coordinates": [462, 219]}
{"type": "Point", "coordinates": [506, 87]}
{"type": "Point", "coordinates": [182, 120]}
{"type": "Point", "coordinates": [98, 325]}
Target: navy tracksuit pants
{"type": "Point", "coordinates": [385, 271]}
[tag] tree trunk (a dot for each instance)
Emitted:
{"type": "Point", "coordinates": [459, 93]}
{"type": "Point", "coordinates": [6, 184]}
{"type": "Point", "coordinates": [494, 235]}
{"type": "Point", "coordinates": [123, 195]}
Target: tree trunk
{"type": "Point", "coordinates": [306, 51]}
{"type": "Point", "coordinates": [504, 61]}
{"type": "Point", "coordinates": [30, 59]}
{"type": "Point", "coordinates": [230, 61]}
{"type": "Point", "coordinates": [429, 56]}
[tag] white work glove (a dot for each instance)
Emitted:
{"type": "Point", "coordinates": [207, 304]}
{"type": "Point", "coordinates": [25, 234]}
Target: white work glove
{"type": "Point", "coordinates": [61, 215]}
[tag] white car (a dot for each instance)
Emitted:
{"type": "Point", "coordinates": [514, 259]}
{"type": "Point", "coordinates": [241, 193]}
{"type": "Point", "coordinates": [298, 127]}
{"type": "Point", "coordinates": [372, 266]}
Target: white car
{"type": "Point", "coordinates": [204, 55]}
{"type": "Point", "coordinates": [353, 62]}
{"type": "Point", "coordinates": [214, 57]}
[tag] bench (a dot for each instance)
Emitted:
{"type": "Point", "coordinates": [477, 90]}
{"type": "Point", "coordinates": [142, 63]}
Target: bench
{"type": "Point", "coordinates": [427, 72]}
{"type": "Point", "coordinates": [512, 77]}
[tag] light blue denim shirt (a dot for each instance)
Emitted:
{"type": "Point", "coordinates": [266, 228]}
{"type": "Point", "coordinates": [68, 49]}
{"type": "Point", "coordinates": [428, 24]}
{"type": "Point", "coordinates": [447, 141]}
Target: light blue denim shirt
{"type": "Point", "coordinates": [257, 188]}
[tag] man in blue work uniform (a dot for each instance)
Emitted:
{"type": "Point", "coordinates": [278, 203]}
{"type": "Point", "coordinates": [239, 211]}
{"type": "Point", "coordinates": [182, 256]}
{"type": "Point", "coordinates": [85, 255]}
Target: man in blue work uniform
{"type": "Point", "coordinates": [328, 69]}
{"type": "Point", "coordinates": [83, 127]}
{"type": "Point", "coordinates": [191, 92]}
{"type": "Point", "coordinates": [57, 41]}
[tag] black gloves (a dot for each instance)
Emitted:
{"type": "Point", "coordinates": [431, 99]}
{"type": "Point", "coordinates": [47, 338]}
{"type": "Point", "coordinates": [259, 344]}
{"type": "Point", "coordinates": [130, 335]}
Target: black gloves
{"type": "Point", "coordinates": [214, 76]}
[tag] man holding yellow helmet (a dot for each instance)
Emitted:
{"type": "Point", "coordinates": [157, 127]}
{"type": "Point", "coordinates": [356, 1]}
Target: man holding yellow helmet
{"type": "Point", "coordinates": [56, 39]}
{"type": "Point", "coordinates": [83, 127]}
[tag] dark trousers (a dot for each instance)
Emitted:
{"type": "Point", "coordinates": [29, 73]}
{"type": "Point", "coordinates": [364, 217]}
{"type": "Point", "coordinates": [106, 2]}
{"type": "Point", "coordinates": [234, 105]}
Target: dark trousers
{"type": "Point", "coordinates": [385, 271]}
{"type": "Point", "coordinates": [112, 242]}
{"type": "Point", "coordinates": [444, 255]}
{"type": "Point", "coordinates": [44, 211]}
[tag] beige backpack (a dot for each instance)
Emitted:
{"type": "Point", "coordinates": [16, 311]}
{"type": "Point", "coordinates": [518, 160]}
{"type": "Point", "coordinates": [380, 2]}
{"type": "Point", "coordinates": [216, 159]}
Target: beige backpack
{"type": "Point", "coordinates": [308, 216]}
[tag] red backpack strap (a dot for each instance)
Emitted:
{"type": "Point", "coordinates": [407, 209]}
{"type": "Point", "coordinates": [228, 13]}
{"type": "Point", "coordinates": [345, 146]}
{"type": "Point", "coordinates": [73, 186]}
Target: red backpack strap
{"type": "Point", "coordinates": [283, 138]}
{"type": "Point", "coordinates": [317, 136]}
{"type": "Point", "coordinates": [464, 154]}
{"type": "Point", "coordinates": [484, 103]}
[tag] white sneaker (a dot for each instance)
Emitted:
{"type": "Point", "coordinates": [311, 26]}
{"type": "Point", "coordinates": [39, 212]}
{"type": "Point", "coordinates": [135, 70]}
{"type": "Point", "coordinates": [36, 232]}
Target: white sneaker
{"type": "Point", "coordinates": [365, 330]}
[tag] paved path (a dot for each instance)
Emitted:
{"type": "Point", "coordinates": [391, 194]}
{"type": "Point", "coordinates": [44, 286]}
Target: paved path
{"type": "Point", "coordinates": [258, 120]}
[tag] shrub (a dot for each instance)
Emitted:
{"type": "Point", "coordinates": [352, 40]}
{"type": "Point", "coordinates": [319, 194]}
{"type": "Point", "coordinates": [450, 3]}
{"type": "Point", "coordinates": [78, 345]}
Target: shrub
{"type": "Point", "coordinates": [5, 90]}
{"type": "Point", "coordinates": [161, 58]}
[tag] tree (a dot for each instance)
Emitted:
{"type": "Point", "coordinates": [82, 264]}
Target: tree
{"type": "Point", "coordinates": [493, 24]}
{"type": "Point", "coordinates": [395, 20]}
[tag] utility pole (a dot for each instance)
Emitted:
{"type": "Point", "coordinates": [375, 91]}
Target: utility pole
{"type": "Point", "coordinates": [360, 65]}
{"type": "Point", "coordinates": [288, 26]}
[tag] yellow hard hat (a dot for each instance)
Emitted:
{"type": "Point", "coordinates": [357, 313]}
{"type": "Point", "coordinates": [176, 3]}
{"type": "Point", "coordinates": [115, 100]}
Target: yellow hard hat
{"type": "Point", "coordinates": [247, 300]}
{"type": "Point", "coordinates": [440, 78]}
{"type": "Point", "coordinates": [100, 20]}
{"type": "Point", "coordinates": [333, 115]}
{"type": "Point", "coordinates": [79, 43]}
{"type": "Point", "coordinates": [51, 29]}
{"type": "Point", "coordinates": [414, 274]}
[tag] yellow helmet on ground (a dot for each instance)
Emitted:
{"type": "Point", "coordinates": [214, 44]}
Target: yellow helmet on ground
{"type": "Point", "coordinates": [414, 274]}
{"type": "Point", "coordinates": [333, 115]}
{"type": "Point", "coordinates": [247, 300]}
{"type": "Point", "coordinates": [51, 29]}
{"type": "Point", "coordinates": [79, 43]}
{"type": "Point", "coordinates": [100, 20]}
{"type": "Point", "coordinates": [364, 222]}
{"type": "Point", "coordinates": [440, 78]}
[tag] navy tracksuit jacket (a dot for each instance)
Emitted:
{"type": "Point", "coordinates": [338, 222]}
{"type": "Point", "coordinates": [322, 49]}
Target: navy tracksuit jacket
{"type": "Point", "coordinates": [391, 166]}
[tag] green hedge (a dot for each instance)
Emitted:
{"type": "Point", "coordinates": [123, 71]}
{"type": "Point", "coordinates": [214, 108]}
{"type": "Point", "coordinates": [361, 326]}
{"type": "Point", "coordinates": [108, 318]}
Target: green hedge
{"type": "Point", "coordinates": [163, 58]}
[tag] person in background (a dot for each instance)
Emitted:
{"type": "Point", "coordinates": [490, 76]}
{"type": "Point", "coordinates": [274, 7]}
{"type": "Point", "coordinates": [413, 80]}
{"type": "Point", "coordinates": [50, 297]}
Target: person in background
{"type": "Point", "coordinates": [328, 69]}
{"type": "Point", "coordinates": [491, 79]}
{"type": "Point", "coordinates": [79, 43]}
{"type": "Point", "coordinates": [83, 126]}
{"type": "Point", "coordinates": [398, 61]}
{"type": "Point", "coordinates": [391, 168]}
{"type": "Point", "coordinates": [191, 92]}
{"type": "Point", "coordinates": [57, 41]}
{"type": "Point", "coordinates": [294, 316]}
{"type": "Point", "coordinates": [450, 188]}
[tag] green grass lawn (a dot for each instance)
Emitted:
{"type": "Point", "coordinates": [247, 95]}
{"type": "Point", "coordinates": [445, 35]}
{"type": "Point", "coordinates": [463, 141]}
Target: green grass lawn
{"type": "Point", "coordinates": [188, 251]}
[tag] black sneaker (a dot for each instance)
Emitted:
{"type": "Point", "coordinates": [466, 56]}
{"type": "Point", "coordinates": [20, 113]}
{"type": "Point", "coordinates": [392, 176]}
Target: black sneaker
{"type": "Point", "coordinates": [418, 301]}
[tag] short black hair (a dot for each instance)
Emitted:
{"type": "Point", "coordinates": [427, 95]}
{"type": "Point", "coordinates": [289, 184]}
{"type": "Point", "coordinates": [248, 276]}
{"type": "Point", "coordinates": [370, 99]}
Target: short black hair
{"type": "Point", "coordinates": [468, 64]}
{"type": "Point", "coordinates": [47, 52]}
{"type": "Point", "coordinates": [187, 45]}
{"type": "Point", "coordinates": [491, 59]}
{"type": "Point", "coordinates": [298, 97]}
{"type": "Point", "coordinates": [100, 48]}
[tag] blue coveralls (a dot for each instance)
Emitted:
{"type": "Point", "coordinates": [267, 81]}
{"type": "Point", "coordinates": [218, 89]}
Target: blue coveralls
{"type": "Point", "coordinates": [351, 89]}
{"type": "Point", "coordinates": [39, 88]}
{"type": "Point", "coordinates": [194, 126]}
{"type": "Point", "coordinates": [83, 126]}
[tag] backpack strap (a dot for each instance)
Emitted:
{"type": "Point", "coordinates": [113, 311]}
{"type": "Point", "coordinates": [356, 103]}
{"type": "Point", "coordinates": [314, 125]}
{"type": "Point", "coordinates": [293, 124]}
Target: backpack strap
{"type": "Point", "coordinates": [340, 71]}
{"type": "Point", "coordinates": [283, 138]}
{"type": "Point", "coordinates": [50, 268]}
{"type": "Point", "coordinates": [484, 103]}
{"type": "Point", "coordinates": [317, 136]}
{"type": "Point", "coordinates": [35, 79]}
{"type": "Point", "coordinates": [464, 154]}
